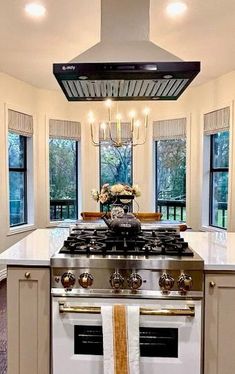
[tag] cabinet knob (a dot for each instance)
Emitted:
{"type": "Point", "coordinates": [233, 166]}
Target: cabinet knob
{"type": "Point", "coordinates": [212, 284]}
{"type": "Point", "coordinates": [27, 275]}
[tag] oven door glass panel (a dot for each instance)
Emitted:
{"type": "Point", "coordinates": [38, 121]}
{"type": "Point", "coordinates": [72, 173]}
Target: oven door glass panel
{"type": "Point", "coordinates": [88, 340]}
{"type": "Point", "coordinates": [154, 342]}
{"type": "Point", "coordinates": [158, 342]}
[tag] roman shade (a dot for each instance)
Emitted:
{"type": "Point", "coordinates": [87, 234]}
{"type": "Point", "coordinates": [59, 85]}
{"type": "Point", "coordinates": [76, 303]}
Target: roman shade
{"type": "Point", "coordinates": [169, 129]}
{"type": "Point", "coordinates": [217, 121]}
{"type": "Point", "coordinates": [62, 129]}
{"type": "Point", "coordinates": [20, 123]}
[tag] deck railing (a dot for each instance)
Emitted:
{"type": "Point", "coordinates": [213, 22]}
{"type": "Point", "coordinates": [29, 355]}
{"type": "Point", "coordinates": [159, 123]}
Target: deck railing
{"type": "Point", "coordinates": [61, 209]}
{"type": "Point", "coordinates": [221, 214]}
{"type": "Point", "coordinates": [172, 209]}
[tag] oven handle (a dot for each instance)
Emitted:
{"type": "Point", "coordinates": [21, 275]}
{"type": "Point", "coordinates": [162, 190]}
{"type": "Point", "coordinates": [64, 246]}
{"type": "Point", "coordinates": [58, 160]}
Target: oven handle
{"type": "Point", "coordinates": [189, 311]}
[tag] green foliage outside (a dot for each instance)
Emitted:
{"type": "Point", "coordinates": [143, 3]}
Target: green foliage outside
{"type": "Point", "coordinates": [171, 169]}
{"type": "Point", "coordinates": [115, 164]}
{"type": "Point", "coordinates": [62, 163]}
{"type": "Point", "coordinates": [220, 159]}
{"type": "Point", "coordinates": [16, 153]}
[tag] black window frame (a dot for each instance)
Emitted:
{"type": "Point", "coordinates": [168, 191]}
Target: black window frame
{"type": "Point", "coordinates": [214, 170]}
{"type": "Point", "coordinates": [168, 205]}
{"type": "Point", "coordinates": [24, 171]}
{"type": "Point", "coordinates": [76, 187]}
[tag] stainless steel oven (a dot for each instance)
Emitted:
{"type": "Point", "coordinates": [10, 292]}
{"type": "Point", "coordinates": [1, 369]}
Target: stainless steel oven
{"type": "Point", "coordinates": [156, 271]}
{"type": "Point", "coordinates": [170, 335]}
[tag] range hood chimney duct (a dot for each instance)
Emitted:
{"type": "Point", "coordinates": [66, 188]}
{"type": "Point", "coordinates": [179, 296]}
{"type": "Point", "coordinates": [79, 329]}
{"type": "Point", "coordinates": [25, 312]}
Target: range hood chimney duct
{"type": "Point", "coordinates": [125, 65]}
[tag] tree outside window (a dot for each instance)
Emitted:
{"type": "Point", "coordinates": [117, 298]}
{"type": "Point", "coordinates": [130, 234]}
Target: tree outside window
{"type": "Point", "coordinates": [17, 147]}
{"type": "Point", "coordinates": [171, 178]}
{"type": "Point", "coordinates": [115, 165]}
{"type": "Point", "coordinates": [63, 179]}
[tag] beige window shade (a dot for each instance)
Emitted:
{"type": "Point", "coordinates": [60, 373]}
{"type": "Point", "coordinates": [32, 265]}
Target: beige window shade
{"type": "Point", "coordinates": [125, 131]}
{"type": "Point", "coordinates": [217, 121]}
{"type": "Point", "coordinates": [20, 123]}
{"type": "Point", "coordinates": [64, 129]}
{"type": "Point", "coordinates": [169, 129]}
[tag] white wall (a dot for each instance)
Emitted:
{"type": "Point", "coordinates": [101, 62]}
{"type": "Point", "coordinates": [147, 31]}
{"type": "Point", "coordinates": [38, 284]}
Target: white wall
{"type": "Point", "coordinates": [48, 104]}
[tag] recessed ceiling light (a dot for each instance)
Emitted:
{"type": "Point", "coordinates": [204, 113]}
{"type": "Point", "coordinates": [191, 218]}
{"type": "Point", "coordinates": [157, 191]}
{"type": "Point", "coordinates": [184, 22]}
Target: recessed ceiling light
{"type": "Point", "coordinates": [35, 9]}
{"type": "Point", "coordinates": [176, 8]}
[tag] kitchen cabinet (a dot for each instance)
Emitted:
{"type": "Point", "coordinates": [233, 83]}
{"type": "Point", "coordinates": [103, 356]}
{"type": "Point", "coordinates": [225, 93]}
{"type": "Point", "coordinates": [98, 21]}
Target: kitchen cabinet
{"type": "Point", "coordinates": [219, 349]}
{"type": "Point", "coordinates": [28, 306]}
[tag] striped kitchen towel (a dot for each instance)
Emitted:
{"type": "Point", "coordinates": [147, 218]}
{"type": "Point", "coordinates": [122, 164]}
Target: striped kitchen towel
{"type": "Point", "coordinates": [121, 339]}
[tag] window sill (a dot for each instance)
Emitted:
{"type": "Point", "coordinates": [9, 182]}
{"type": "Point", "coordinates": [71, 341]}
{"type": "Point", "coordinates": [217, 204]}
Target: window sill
{"type": "Point", "coordinates": [20, 229]}
{"type": "Point", "coordinates": [212, 229]}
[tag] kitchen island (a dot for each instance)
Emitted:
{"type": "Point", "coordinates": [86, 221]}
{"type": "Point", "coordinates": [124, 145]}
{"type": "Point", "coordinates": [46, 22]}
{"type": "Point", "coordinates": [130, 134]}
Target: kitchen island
{"type": "Point", "coordinates": [28, 264]}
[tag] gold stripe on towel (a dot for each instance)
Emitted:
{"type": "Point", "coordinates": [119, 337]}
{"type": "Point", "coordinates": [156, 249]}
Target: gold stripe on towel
{"type": "Point", "coordinates": [120, 340]}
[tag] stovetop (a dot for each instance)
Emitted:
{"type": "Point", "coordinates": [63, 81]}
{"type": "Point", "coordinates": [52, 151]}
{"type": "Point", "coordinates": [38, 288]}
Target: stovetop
{"type": "Point", "coordinates": [104, 242]}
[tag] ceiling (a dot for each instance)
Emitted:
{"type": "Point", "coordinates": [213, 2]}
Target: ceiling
{"type": "Point", "coordinates": [29, 47]}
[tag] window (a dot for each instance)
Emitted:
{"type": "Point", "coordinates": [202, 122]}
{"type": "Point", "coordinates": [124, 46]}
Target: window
{"type": "Point", "coordinates": [219, 167]}
{"type": "Point", "coordinates": [115, 165]}
{"type": "Point", "coordinates": [171, 178]}
{"type": "Point", "coordinates": [63, 166]}
{"type": "Point", "coordinates": [17, 153]}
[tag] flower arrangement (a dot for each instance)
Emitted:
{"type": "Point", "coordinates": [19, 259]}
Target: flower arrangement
{"type": "Point", "coordinates": [108, 194]}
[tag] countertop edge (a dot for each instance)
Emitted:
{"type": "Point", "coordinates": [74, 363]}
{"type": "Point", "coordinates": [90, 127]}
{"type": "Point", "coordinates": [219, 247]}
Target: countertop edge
{"type": "Point", "coordinates": [10, 262]}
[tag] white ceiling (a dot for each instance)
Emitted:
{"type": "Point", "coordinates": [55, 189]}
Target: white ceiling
{"type": "Point", "coordinates": [28, 47]}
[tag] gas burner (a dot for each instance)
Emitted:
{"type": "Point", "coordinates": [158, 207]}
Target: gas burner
{"type": "Point", "coordinates": [106, 242]}
{"type": "Point", "coordinates": [81, 247]}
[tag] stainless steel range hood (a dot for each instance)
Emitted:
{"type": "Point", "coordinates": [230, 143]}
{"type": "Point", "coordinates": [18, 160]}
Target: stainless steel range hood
{"type": "Point", "coordinates": [125, 65]}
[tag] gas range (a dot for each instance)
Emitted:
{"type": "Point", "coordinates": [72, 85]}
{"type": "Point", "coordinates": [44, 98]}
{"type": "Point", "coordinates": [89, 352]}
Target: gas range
{"type": "Point", "coordinates": [155, 263]}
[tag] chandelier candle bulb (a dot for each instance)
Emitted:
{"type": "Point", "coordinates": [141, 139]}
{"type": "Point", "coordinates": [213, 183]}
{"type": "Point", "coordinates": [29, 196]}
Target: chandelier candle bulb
{"type": "Point", "coordinates": [137, 124]}
{"type": "Point", "coordinates": [146, 117]}
{"type": "Point", "coordinates": [103, 127]}
{"type": "Point", "coordinates": [119, 128]}
{"type": "Point", "coordinates": [109, 104]}
{"type": "Point", "coordinates": [132, 115]}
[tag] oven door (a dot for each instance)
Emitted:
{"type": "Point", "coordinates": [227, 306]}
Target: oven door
{"type": "Point", "coordinates": [168, 344]}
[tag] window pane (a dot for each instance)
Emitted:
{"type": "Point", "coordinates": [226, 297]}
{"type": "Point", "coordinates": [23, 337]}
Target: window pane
{"type": "Point", "coordinates": [220, 149]}
{"type": "Point", "coordinates": [63, 179]}
{"type": "Point", "coordinates": [17, 198]}
{"type": "Point", "coordinates": [219, 199]}
{"type": "Point", "coordinates": [16, 146]}
{"type": "Point", "coordinates": [171, 178]}
{"type": "Point", "coordinates": [115, 164]}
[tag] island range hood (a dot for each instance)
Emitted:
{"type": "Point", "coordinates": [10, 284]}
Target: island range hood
{"type": "Point", "coordinates": [125, 65]}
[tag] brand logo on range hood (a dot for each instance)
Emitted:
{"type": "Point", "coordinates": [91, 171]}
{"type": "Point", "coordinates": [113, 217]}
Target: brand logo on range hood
{"type": "Point", "coordinates": [68, 67]}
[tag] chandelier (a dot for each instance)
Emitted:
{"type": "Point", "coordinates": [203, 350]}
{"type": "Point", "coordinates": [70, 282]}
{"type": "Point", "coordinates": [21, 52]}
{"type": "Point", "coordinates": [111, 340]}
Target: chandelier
{"type": "Point", "coordinates": [117, 132]}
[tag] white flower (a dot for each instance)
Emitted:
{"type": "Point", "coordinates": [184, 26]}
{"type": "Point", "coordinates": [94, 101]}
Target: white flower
{"type": "Point", "coordinates": [117, 189]}
{"type": "Point", "coordinates": [108, 193]}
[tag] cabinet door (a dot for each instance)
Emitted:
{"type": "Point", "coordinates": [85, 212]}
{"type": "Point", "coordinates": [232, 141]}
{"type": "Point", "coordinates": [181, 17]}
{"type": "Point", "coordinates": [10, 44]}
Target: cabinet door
{"type": "Point", "coordinates": [28, 307]}
{"type": "Point", "coordinates": [219, 324]}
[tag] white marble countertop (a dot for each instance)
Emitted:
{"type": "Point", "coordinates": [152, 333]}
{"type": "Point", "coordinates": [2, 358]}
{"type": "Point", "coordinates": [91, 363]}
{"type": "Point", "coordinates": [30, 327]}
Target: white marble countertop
{"type": "Point", "coordinates": [35, 249]}
{"type": "Point", "coordinates": [216, 248]}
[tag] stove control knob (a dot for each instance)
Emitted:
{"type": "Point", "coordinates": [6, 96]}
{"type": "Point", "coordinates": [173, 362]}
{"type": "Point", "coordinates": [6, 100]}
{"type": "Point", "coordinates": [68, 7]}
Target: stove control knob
{"type": "Point", "coordinates": [166, 282]}
{"type": "Point", "coordinates": [68, 280]}
{"type": "Point", "coordinates": [134, 281]}
{"type": "Point", "coordinates": [185, 283]}
{"type": "Point", "coordinates": [116, 281]}
{"type": "Point", "coordinates": [85, 280]}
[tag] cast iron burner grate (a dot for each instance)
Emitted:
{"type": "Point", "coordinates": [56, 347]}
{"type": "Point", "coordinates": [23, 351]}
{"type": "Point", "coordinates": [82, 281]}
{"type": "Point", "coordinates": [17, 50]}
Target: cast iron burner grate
{"type": "Point", "coordinates": [105, 242]}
